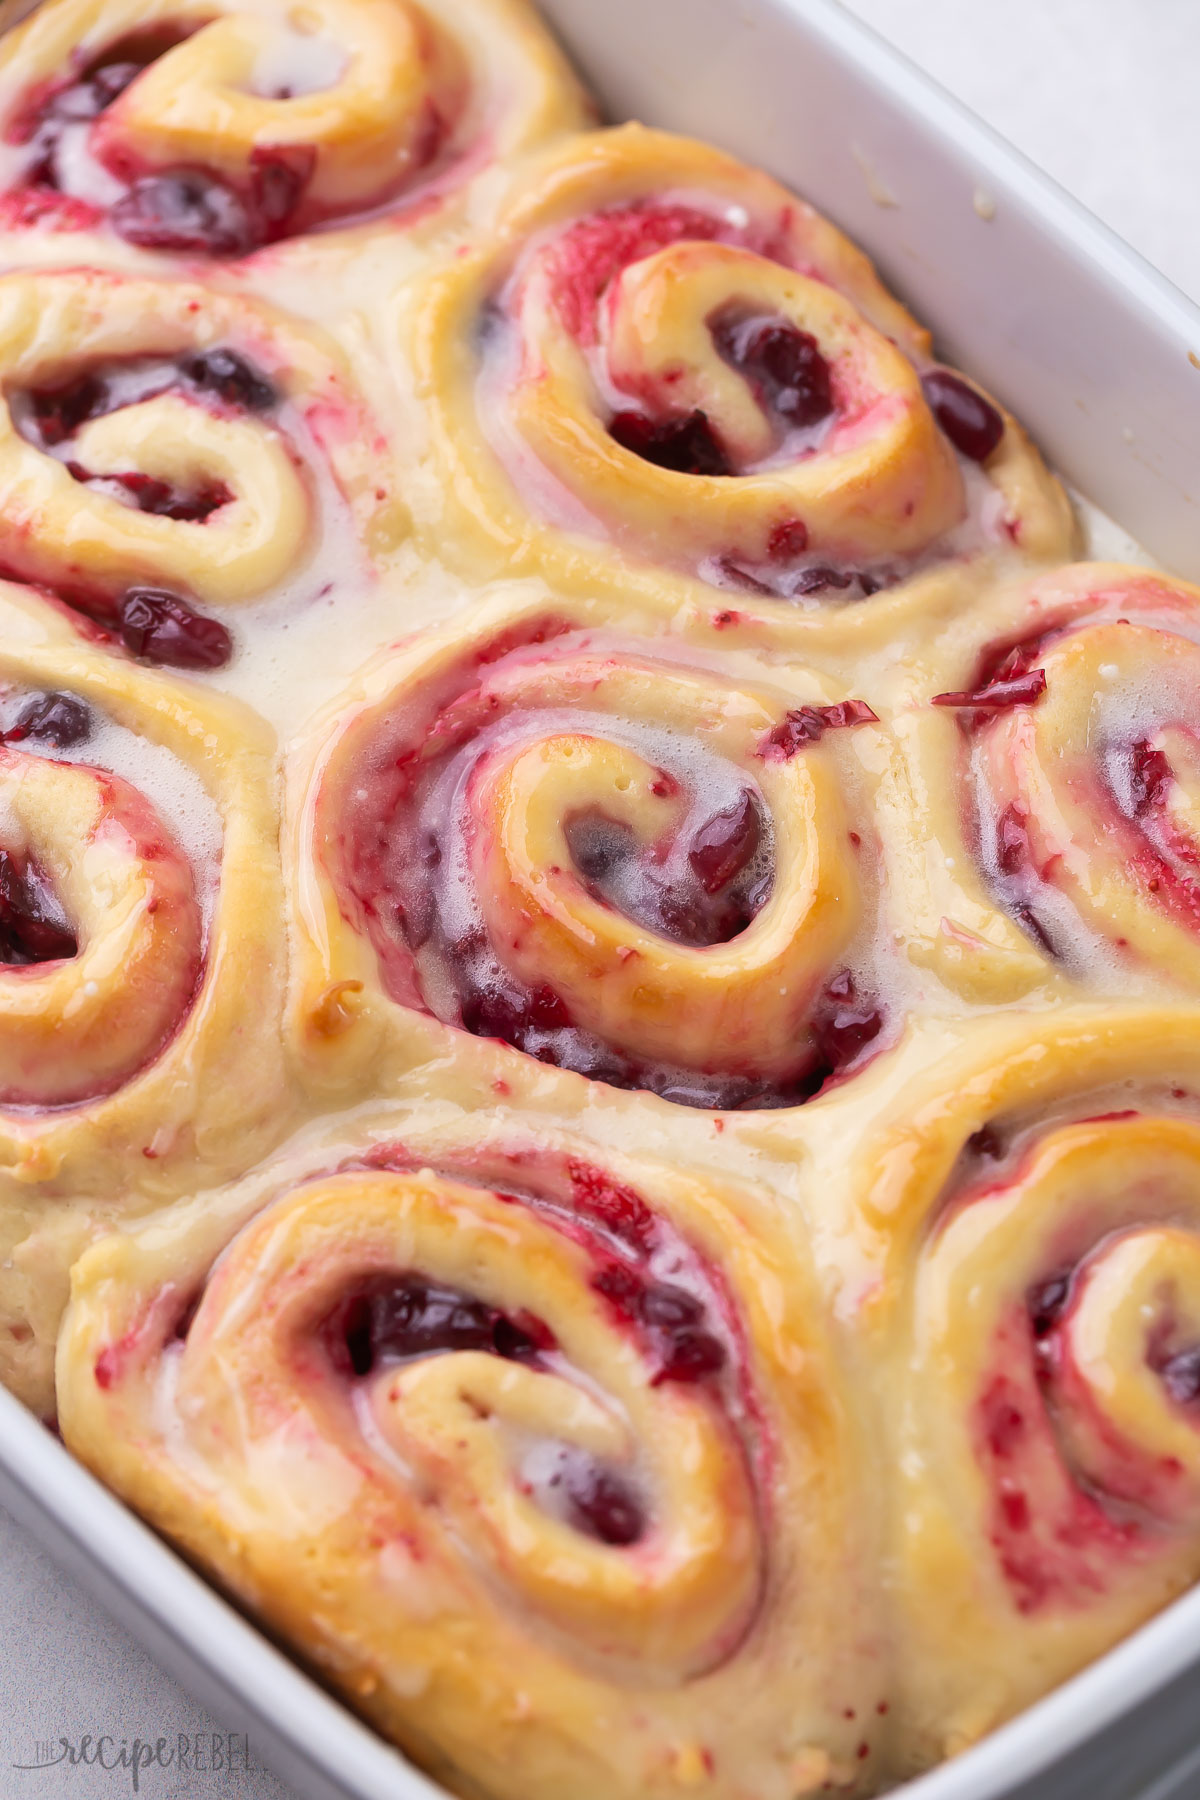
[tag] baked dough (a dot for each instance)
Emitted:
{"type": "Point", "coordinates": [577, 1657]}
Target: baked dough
{"type": "Point", "coordinates": [597, 927]}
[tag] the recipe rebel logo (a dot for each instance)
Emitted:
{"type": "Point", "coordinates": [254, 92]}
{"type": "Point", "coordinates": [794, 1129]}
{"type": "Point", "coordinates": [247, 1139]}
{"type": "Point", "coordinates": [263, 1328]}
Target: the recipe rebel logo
{"type": "Point", "coordinates": [214, 1754]}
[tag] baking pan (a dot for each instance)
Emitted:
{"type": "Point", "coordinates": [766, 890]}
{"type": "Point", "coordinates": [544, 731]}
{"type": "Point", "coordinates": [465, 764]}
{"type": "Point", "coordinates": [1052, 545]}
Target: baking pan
{"type": "Point", "coordinates": [1101, 357]}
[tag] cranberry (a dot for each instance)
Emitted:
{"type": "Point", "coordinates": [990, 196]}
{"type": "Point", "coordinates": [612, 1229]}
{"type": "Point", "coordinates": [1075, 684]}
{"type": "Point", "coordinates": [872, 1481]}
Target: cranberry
{"type": "Point", "coordinates": [1182, 1376]}
{"type": "Point", "coordinates": [601, 1504]}
{"type": "Point", "coordinates": [1025, 916]}
{"type": "Point", "coordinates": [1025, 689]}
{"type": "Point", "coordinates": [844, 1024]}
{"type": "Point", "coordinates": [1047, 1302]}
{"type": "Point", "coordinates": [723, 846]}
{"type": "Point", "coordinates": [57, 413]}
{"type": "Point", "coordinates": [985, 1142]}
{"type": "Point", "coordinates": [161, 628]}
{"type": "Point", "coordinates": [186, 210]}
{"type": "Point", "coordinates": [87, 99]}
{"type": "Point", "coordinates": [689, 1356]}
{"type": "Point", "coordinates": [619, 1209]}
{"type": "Point", "coordinates": [32, 928]}
{"type": "Point", "coordinates": [56, 719]}
{"type": "Point", "coordinates": [672, 1318]}
{"type": "Point", "coordinates": [1012, 840]}
{"type": "Point", "coordinates": [232, 379]}
{"type": "Point", "coordinates": [784, 364]}
{"type": "Point", "coordinates": [808, 724]}
{"type": "Point", "coordinates": [788, 541]}
{"type": "Point", "coordinates": [150, 495]}
{"type": "Point", "coordinates": [278, 177]}
{"type": "Point", "coordinates": [498, 1012]}
{"type": "Point", "coordinates": [408, 1318]}
{"type": "Point", "coordinates": [688, 444]}
{"type": "Point", "coordinates": [819, 578]}
{"type": "Point", "coordinates": [970, 422]}
{"type": "Point", "coordinates": [1150, 778]}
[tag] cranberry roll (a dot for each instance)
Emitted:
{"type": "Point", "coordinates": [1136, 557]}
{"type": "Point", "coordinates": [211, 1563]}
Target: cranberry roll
{"type": "Point", "coordinates": [613, 856]}
{"type": "Point", "coordinates": [1060, 743]}
{"type": "Point", "coordinates": [141, 955]}
{"type": "Point", "coordinates": [213, 127]}
{"type": "Point", "coordinates": [1022, 1265]}
{"type": "Point", "coordinates": [669, 373]}
{"type": "Point", "coordinates": [170, 455]}
{"type": "Point", "coordinates": [534, 1453]}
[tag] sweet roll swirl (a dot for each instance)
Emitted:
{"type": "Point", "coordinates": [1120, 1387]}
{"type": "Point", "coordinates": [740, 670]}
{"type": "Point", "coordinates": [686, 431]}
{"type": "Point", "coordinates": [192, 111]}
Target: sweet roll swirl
{"type": "Point", "coordinates": [669, 369]}
{"type": "Point", "coordinates": [513, 1394]}
{"type": "Point", "coordinates": [141, 956]}
{"type": "Point", "coordinates": [1077, 740]}
{"type": "Point", "coordinates": [620, 861]}
{"type": "Point", "coordinates": [209, 128]}
{"type": "Point", "coordinates": [1026, 1251]}
{"type": "Point", "coordinates": [165, 450]}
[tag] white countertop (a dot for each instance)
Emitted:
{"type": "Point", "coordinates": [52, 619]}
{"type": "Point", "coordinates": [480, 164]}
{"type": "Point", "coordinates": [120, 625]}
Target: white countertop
{"type": "Point", "coordinates": [1102, 94]}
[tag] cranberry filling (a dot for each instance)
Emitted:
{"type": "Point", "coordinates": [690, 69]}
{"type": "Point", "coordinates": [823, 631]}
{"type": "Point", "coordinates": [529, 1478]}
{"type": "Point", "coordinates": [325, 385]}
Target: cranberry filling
{"type": "Point", "coordinates": [782, 581]}
{"type": "Point", "coordinates": [82, 101]}
{"type": "Point", "coordinates": [397, 1321]}
{"type": "Point", "coordinates": [601, 1504]}
{"type": "Point", "coordinates": [159, 627]}
{"type": "Point", "coordinates": [1014, 866]}
{"type": "Point", "coordinates": [972, 423]}
{"type": "Point", "coordinates": [725, 843]}
{"type": "Point", "coordinates": [192, 211]}
{"type": "Point", "coordinates": [671, 1318]}
{"type": "Point", "coordinates": [1047, 1302]}
{"type": "Point", "coordinates": [704, 897]}
{"type": "Point", "coordinates": [57, 413]}
{"type": "Point", "coordinates": [1150, 778]}
{"type": "Point", "coordinates": [49, 416]}
{"type": "Point", "coordinates": [185, 210]}
{"type": "Point", "coordinates": [150, 495]}
{"type": "Point", "coordinates": [232, 379]}
{"type": "Point", "coordinates": [32, 926]}
{"type": "Point", "coordinates": [1023, 688]}
{"type": "Point", "coordinates": [844, 1023]}
{"type": "Point", "coordinates": [688, 445]}
{"type": "Point", "coordinates": [783, 364]}
{"type": "Point", "coordinates": [60, 720]}
{"type": "Point", "coordinates": [496, 1011]}
{"type": "Point", "coordinates": [808, 724]}
{"type": "Point", "coordinates": [394, 1321]}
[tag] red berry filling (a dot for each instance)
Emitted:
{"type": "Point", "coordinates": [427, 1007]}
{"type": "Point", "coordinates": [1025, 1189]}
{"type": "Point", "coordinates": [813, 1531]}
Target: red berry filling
{"type": "Point", "coordinates": [783, 365]}
{"type": "Point", "coordinates": [159, 627]}
{"type": "Point", "coordinates": [600, 1503]}
{"type": "Point", "coordinates": [704, 892]}
{"type": "Point", "coordinates": [790, 378]}
{"type": "Point", "coordinates": [397, 1321]}
{"type": "Point", "coordinates": [153, 624]}
{"type": "Point", "coordinates": [1150, 778]}
{"type": "Point", "coordinates": [194, 212]}
{"type": "Point", "coordinates": [844, 1023]}
{"type": "Point", "coordinates": [60, 720]}
{"type": "Point", "coordinates": [687, 445]}
{"type": "Point", "coordinates": [808, 725]}
{"type": "Point", "coordinates": [670, 1319]}
{"type": "Point", "coordinates": [394, 1321]}
{"type": "Point", "coordinates": [1023, 687]}
{"type": "Point", "coordinates": [972, 423]}
{"type": "Point", "coordinates": [33, 927]}
{"type": "Point", "coordinates": [150, 495]}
